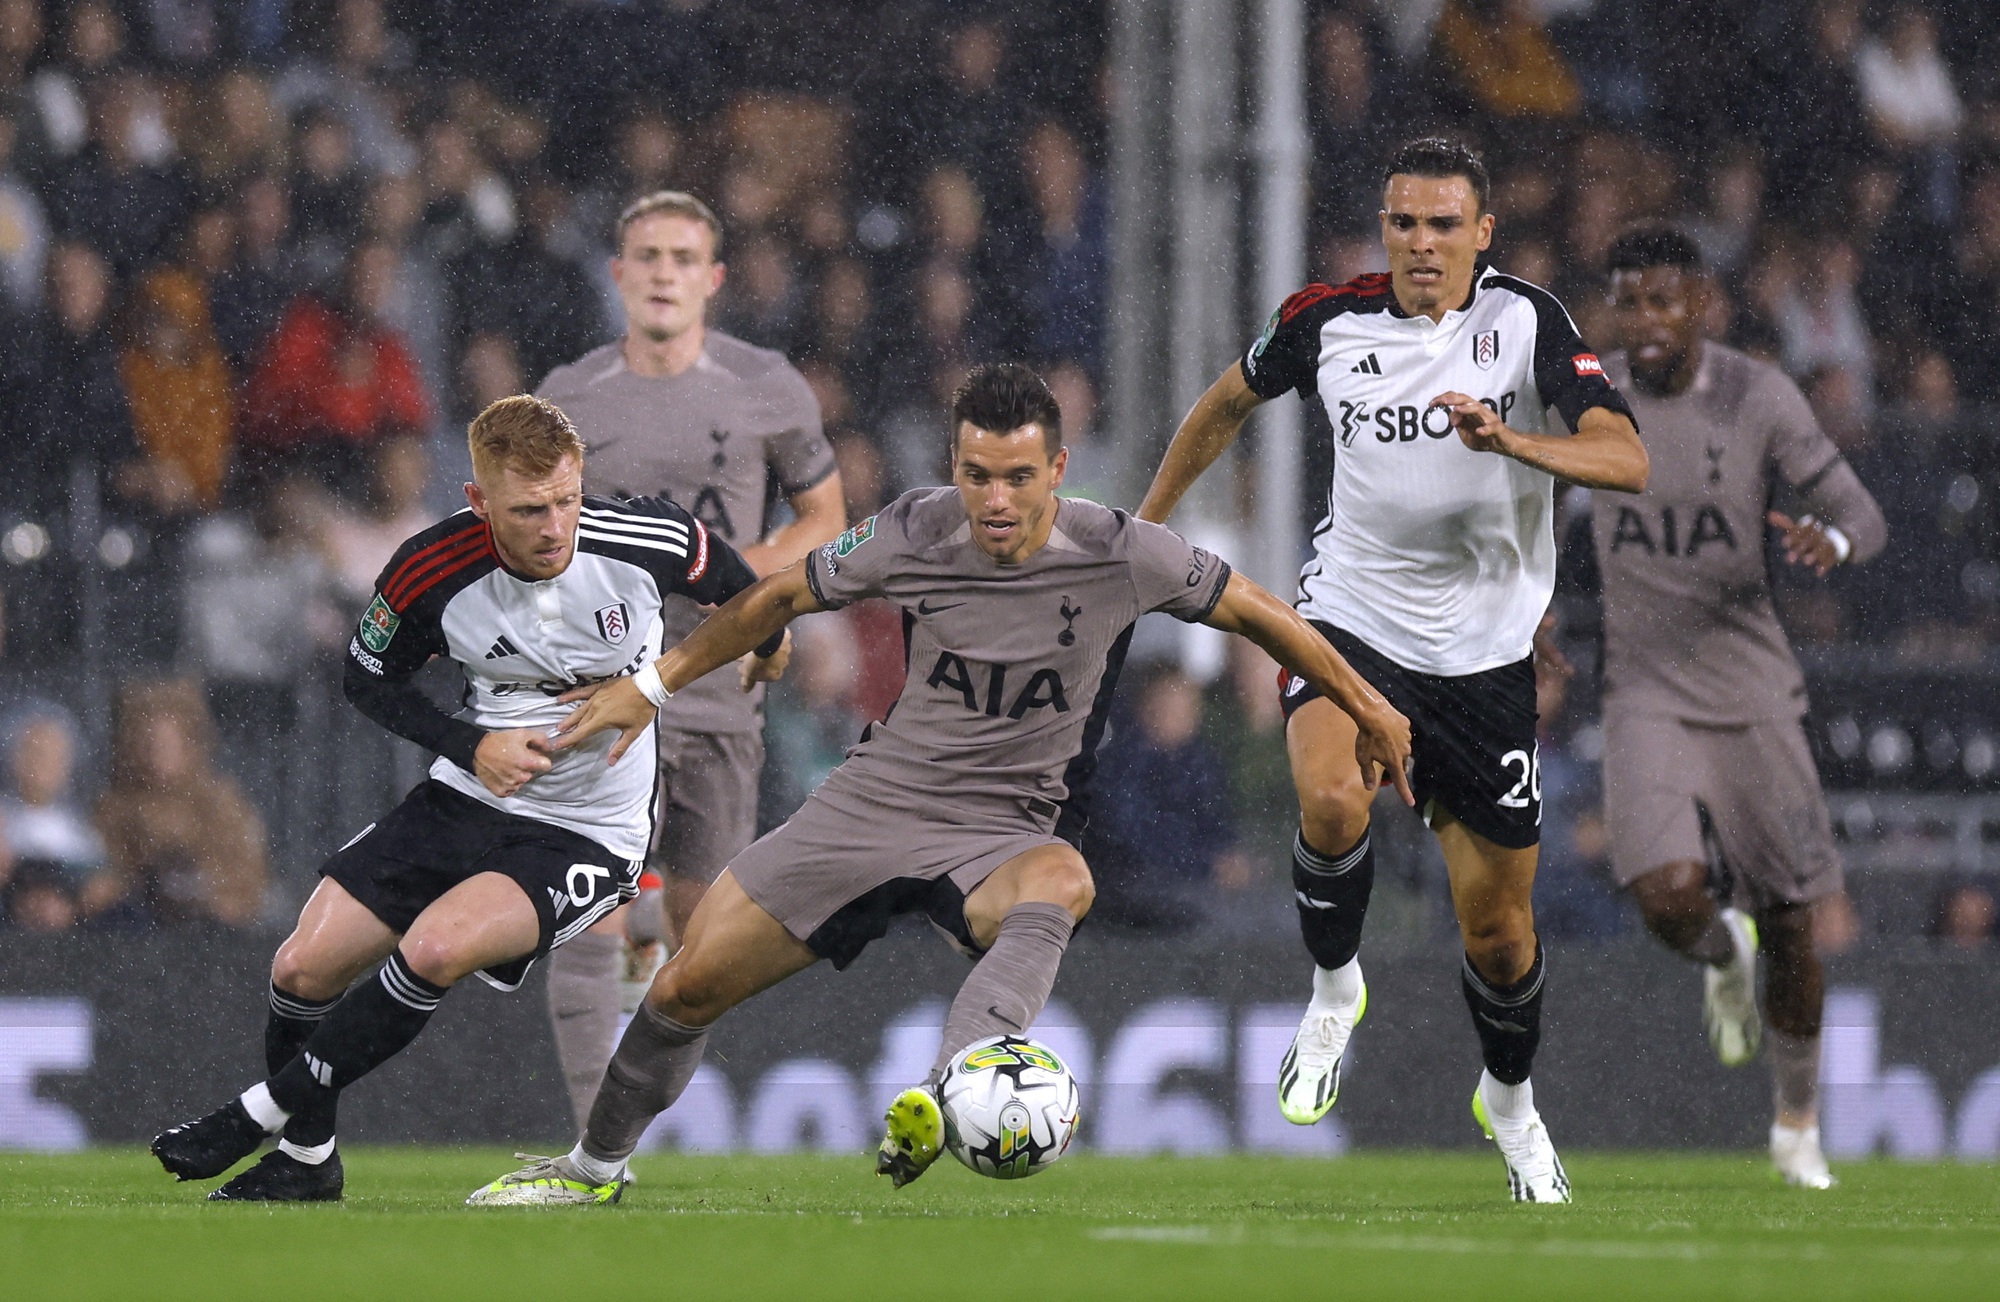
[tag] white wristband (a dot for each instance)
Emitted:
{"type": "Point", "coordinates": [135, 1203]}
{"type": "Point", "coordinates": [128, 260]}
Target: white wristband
{"type": "Point", "coordinates": [648, 682]}
{"type": "Point", "coordinates": [1842, 548]}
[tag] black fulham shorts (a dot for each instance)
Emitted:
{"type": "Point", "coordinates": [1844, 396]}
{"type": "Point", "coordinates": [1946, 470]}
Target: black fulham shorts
{"type": "Point", "coordinates": [438, 838]}
{"type": "Point", "coordinates": [1472, 737]}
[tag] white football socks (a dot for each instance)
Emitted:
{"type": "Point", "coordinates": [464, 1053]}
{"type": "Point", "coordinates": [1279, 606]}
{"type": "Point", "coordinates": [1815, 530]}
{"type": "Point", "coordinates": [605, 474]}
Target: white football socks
{"type": "Point", "coordinates": [1506, 1105]}
{"type": "Point", "coordinates": [1335, 990]}
{"type": "Point", "coordinates": [264, 1109]}
{"type": "Point", "coordinates": [594, 1169]}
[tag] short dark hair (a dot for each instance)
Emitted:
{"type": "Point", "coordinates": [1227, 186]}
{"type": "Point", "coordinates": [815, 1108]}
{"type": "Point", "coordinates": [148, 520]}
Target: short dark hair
{"type": "Point", "coordinates": [1003, 396]}
{"type": "Point", "coordinates": [1654, 244]}
{"type": "Point", "coordinates": [1437, 157]}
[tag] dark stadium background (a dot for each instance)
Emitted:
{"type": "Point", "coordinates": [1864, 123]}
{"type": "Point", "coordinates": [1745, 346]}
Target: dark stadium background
{"type": "Point", "coordinates": [187, 507]}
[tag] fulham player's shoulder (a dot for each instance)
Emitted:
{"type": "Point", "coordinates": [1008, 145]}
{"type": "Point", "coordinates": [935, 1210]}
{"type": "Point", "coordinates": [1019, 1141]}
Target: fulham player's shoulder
{"type": "Point", "coordinates": [449, 554]}
{"type": "Point", "coordinates": [1286, 355]}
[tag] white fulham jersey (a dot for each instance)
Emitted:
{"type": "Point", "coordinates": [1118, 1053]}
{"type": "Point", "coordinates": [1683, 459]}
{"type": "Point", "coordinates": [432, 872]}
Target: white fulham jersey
{"type": "Point", "coordinates": [523, 642]}
{"type": "Point", "coordinates": [1441, 558]}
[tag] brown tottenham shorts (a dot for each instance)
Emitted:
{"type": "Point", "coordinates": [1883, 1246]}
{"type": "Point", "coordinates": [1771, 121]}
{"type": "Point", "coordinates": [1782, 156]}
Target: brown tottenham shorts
{"type": "Point", "coordinates": [707, 810]}
{"type": "Point", "coordinates": [847, 862]}
{"type": "Point", "coordinates": [1746, 795]}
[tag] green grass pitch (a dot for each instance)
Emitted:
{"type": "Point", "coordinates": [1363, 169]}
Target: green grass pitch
{"type": "Point", "coordinates": [108, 1224]}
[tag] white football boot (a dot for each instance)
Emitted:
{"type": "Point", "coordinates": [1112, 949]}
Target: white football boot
{"type": "Point", "coordinates": [1729, 995]}
{"type": "Point", "coordinates": [1795, 1152]}
{"type": "Point", "coordinates": [1534, 1173]}
{"type": "Point", "coordinates": [1309, 1077]}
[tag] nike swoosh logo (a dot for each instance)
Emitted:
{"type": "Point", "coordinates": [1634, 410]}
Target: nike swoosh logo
{"type": "Point", "coordinates": [1003, 1019]}
{"type": "Point", "coordinates": [924, 607]}
{"type": "Point", "coordinates": [1499, 1025]}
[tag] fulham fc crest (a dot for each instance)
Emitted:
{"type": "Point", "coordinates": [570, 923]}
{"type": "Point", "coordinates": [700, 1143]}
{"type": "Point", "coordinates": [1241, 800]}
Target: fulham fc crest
{"type": "Point", "coordinates": [1486, 349]}
{"type": "Point", "coordinates": [613, 623]}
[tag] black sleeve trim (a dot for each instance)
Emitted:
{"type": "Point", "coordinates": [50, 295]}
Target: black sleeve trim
{"type": "Point", "coordinates": [397, 704]}
{"type": "Point", "coordinates": [812, 581]}
{"type": "Point", "coordinates": [831, 469]}
{"type": "Point", "coordinates": [1812, 481]}
{"type": "Point", "coordinates": [1568, 374]}
{"type": "Point", "coordinates": [1215, 598]}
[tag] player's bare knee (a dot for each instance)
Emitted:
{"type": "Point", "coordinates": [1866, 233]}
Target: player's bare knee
{"type": "Point", "coordinates": [1068, 882]}
{"type": "Point", "coordinates": [1334, 814]}
{"type": "Point", "coordinates": [1502, 948]}
{"type": "Point", "coordinates": [683, 992]}
{"type": "Point", "coordinates": [434, 958]}
{"type": "Point", "coordinates": [294, 971]}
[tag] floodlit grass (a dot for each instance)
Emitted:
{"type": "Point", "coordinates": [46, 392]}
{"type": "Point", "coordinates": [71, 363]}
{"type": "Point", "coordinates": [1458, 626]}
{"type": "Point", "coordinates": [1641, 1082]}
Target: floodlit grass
{"type": "Point", "coordinates": [109, 1224]}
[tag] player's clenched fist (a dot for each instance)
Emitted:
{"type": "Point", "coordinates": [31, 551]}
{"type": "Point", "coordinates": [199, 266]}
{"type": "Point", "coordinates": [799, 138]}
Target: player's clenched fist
{"type": "Point", "coordinates": [614, 706]}
{"type": "Point", "coordinates": [767, 669]}
{"type": "Point", "coordinates": [508, 760]}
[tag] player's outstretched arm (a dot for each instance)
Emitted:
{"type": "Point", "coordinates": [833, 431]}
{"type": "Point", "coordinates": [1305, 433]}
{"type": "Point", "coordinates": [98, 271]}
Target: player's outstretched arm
{"type": "Point", "coordinates": [1605, 452]}
{"type": "Point", "coordinates": [750, 620]}
{"type": "Point", "coordinates": [1382, 742]}
{"type": "Point", "coordinates": [1210, 426]}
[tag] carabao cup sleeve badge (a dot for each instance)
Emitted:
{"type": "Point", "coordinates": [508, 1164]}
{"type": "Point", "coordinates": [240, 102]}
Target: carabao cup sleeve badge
{"type": "Point", "coordinates": [378, 625]}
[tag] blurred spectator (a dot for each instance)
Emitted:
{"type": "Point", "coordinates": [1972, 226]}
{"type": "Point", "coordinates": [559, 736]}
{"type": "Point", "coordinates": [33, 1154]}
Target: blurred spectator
{"type": "Point", "coordinates": [125, 193]}
{"type": "Point", "coordinates": [1905, 82]}
{"type": "Point", "coordinates": [328, 190]}
{"type": "Point", "coordinates": [1962, 294]}
{"type": "Point", "coordinates": [645, 156]}
{"type": "Point", "coordinates": [24, 229]}
{"type": "Point", "coordinates": [1089, 472]}
{"type": "Point", "coordinates": [529, 287]}
{"type": "Point", "coordinates": [335, 380]}
{"type": "Point", "coordinates": [182, 841]}
{"type": "Point", "coordinates": [417, 306]}
{"type": "Point", "coordinates": [178, 387]}
{"type": "Point", "coordinates": [1574, 895]}
{"type": "Point", "coordinates": [90, 44]}
{"type": "Point", "coordinates": [1502, 62]}
{"type": "Point", "coordinates": [764, 299]}
{"type": "Point", "coordinates": [1732, 211]}
{"type": "Point", "coordinates": [1819, 316]}
{"type": "Point", "coordinates": [1352, 124]}
{"type": "Point", "coordinates": [974, 114]}
{"type": "Point", "coordinates": [41, 816]}
{"type": "Point", "coordinates": [250, 296]}
{"type": "Point", "coordinates": [1809, 106]}
{"type": "Point", "coordinates": [1067, 275]}
{"type": "Point", "coordinates": [259, 594]}
{"type": "Point", "coordinates": [813, 721]}
{"type": "Point", "coordinates": [845, 332]}
{"type": "Point", "coordinates": [1243, 721]}
{"type": "Point", "coordinates": [351, 80]}
{"type": "Point", "coordinates": [39, 896]}
{"type": "Point", "coordinates": [238, 132]}
{"type": "Point", "coordinates": [1965, 915]}
{"type": "Point", "coordinates": [66, 411]}
{"type": "Point", "coordinates": [359, 544]}
{"type": "Point", "coordinates": [1163, 822]}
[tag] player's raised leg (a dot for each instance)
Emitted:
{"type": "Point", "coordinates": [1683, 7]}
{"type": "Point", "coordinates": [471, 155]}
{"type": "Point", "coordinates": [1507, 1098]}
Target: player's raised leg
{"type": "Point", "coordinates": [483, 921]}
{"type": "Point", "coordinates": [1333, 873]}
{"type": "Point", "coordinates": [1492, 890]}
{"type": "Point", "coordinates": [1794, 1000]}
{"type": "Point", "coordinates": [1022, 916]}
{"type": "Point", "coordinates": [1679, 908]}
{"type": "Point", "coordinates": [336, 940]}
{"type": "Point", "coordinates": [733, 950]}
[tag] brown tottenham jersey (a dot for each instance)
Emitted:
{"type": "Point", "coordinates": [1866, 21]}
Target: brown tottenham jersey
{"type": "Point", "coordinates": [1690, 629]}
{"type": "Point", "coordinates": [1011, 667]}
{"type": "Point", "coordinates": [717, 439]}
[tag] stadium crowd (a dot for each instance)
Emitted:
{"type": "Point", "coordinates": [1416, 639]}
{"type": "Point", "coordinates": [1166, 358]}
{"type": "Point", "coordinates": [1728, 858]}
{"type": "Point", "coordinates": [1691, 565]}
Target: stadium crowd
{"type": "Point", "coordinates": [260, 260]}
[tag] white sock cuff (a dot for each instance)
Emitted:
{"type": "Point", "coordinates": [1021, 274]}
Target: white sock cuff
{"type": "Point", "coordinates": [311, 1155]}
{"type": "Point", "coordinates": [1337, 987]}
{"type": "Point", "coordinates": [595, 1169]}
{"type": "Point", "coordinates": [264, 1109]}
{"type": "Point", "coordinates": [1506, 1103]}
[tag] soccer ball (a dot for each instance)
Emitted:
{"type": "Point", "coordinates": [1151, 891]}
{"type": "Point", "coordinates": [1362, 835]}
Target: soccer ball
{"type": "Point", "coordinates": [1010, 1107]}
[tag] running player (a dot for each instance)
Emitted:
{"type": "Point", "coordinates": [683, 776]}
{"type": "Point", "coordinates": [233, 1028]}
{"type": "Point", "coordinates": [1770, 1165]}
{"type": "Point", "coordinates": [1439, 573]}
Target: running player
{"type": "Point", "coordinates": [678, 410]}
{"type": "Point", "coordinates": [514, 845]}
{"type": "Point", "coordinates": [962, 805]}
{"type": "Point", "coordinates": [1431, 572]}
{"type": "Point", "coordinates": [1700, 684]}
